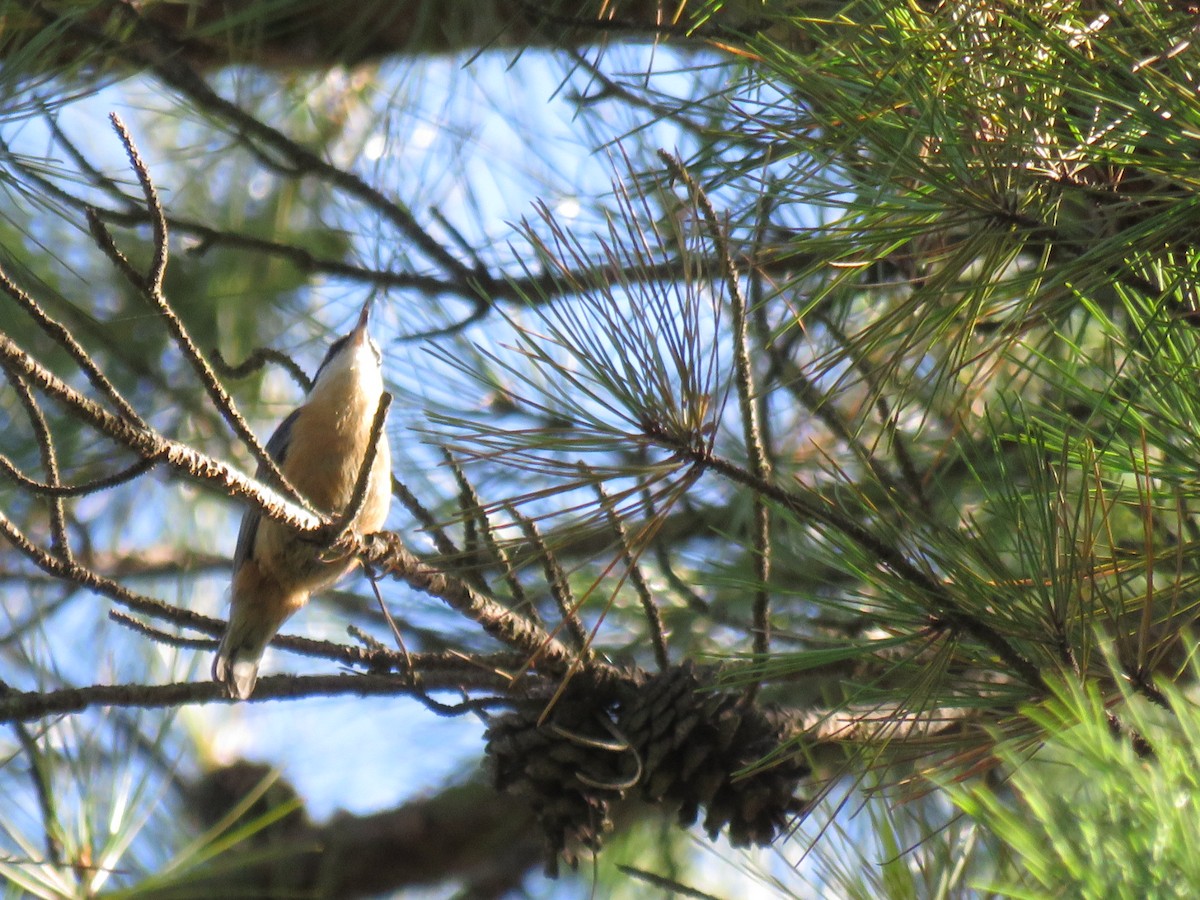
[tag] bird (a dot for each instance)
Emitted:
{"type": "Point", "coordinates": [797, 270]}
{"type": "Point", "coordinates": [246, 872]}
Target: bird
{"type": "Point", "coordinates": [319, 448]}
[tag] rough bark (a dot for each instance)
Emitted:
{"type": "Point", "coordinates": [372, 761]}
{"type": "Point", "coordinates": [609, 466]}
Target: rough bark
{"type": "Point", "coordinates": [467, 834]}
{"type": "Point", "coordinates": [300, 34]}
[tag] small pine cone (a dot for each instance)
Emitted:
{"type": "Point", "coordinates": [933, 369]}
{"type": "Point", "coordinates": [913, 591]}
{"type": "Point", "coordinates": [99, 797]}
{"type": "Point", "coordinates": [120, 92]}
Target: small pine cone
{"type": "Point", "coordinates": [217, 792]}
{"type": "Point", "coordinates": [693, 742]}
{"type": "Point", "coordinates": [569, 767]}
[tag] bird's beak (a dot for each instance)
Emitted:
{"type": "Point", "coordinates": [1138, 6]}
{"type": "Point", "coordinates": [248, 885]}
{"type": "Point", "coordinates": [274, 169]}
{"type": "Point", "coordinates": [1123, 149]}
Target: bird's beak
{"type": "Point", "coordinates": [360, 329]}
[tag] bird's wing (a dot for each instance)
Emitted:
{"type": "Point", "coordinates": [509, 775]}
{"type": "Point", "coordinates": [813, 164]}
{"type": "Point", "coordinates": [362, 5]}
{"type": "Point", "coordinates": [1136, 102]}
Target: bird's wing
{"type": "Point", "coordinates": [277, 448]}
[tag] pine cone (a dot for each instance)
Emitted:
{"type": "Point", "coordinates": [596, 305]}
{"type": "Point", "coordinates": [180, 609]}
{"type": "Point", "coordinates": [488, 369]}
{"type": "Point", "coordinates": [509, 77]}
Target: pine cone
{"type": "Point", "coordinates": [693, 744]}
{"type": "Point", "coordinates": [569, 767]}
{"type": "Point", "coordinates": [677, 744]}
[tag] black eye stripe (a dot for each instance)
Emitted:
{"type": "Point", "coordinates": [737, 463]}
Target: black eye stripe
{"type": "Point", "coordinates": [331, 353]}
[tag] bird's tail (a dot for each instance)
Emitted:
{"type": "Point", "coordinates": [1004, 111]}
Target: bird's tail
{"type": "Point", "coordinates": [241, 650]}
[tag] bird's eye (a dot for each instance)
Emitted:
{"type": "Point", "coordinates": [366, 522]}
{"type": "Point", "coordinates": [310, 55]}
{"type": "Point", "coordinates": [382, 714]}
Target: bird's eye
{"type": "Point", "coordinates": [333, 351]}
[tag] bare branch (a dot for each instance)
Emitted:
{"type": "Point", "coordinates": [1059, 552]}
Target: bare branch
{"type": "Point", "coordinates": [473, 504]}
{"type": "Point", "coordinates": [158, 635]}
{"type": "Point", "coordinates": [152, 288]}
{"type": "Point", "coordinates": [386, 552]}
{"type": "Point", "coordinates": [68, 570]}
{"type": "Point", "coordinates": [154, 447]}
{"type": "Point", "coordinates": [556, 581]}
{"type": "Point", "coordinates": [63, 337]}
{"type": "Point", "coordinates": [59, 540]}
{"type": "Point", "coordinates": [18, 706]}
{"type": "Point", "coordinates": [74, 490]}
{"type": "Point", "coordinates": [162, 56]}
{"type": "Point", "coordinates": [257, 360]}
{"type": "Point", "coordinates": [158, 265]}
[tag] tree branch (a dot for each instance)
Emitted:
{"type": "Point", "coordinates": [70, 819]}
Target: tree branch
{"type": "Point", "coordinates": [760, 465]}
{"type": "Point", "coordinates": [22, 706]}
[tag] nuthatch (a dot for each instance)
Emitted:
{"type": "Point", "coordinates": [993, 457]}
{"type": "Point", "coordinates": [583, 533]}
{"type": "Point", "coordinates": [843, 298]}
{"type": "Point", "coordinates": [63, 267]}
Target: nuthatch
{"type": "Point", "coordinates": [320, 449]}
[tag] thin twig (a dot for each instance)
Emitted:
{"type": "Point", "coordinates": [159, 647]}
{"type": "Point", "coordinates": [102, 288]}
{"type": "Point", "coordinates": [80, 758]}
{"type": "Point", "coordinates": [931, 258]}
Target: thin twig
{"type": "Point", "coordinates": [68, 570]}
{"type": "Point", "coordinates": [488, 672]}
{"type": "Point", "coordinates": [369, 641]}
{"type": "Point", "coordinates": [943, 604]}
{"type": "Point", "coordinates": [344, 522]}
{"type": "Point", "coordinates": [556, 581]}
{"type": "Point", "coordinates": [428, 522]}
{"type": "Point", "coordinates": [475, 524]}
{"type": "Point", "coordinates": [66, 340]}
{"type": "Point", "coordinates": [158, 263]}
{"type": "Point", "coordinates": [59, 539]}
{"type": "Point", "coordinates": [395, 629]}
{"type": "Point", "coordinates": [257, 360]}
{"type": "Point", "coordinates": [758, 310]}
{"type": "Point", "coordinates": [73, 490]}
{"type": "Point", "coordinates": [158, 635]}
{"type": "Point", "coordinates": [28, 706]}
{"type": "Point", "coordinates": [760, 466]}
{"type": "Point", "coordinates": [166, 62]}
{"type": "Point", "coordinates": [104, 239]}
{"type": "Point", "coordinates": [654, 622]}
{"type": "Point", "coordinates": [151, 286]}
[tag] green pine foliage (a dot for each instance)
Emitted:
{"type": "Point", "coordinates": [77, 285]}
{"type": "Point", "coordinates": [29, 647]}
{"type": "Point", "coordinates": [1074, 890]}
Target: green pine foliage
{"type": "Point", "coordinates": [877, 393]}
{"type": "Point", "coordinates": [1087, 816]}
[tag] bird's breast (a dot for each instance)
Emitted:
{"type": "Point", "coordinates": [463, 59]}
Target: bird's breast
{"type": "Point", "coordinates": [324, 455]}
